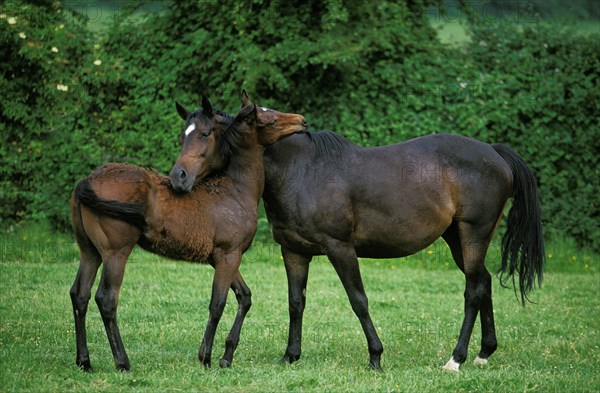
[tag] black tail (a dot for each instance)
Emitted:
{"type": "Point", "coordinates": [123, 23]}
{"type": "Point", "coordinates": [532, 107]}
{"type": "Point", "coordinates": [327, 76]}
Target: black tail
{"type": "Point", "coordinates": [523, 243]}
{"type": "Point", "coordinates": [133, 213]}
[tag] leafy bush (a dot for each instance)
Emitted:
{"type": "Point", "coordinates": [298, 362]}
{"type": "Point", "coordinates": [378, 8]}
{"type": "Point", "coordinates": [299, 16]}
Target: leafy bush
{"type": "Point", "coordinates": [375, 73]}
{"type": "Point", "coordinates": [543, 99]}
{"type": "Point", "coordinates": [42, 95]}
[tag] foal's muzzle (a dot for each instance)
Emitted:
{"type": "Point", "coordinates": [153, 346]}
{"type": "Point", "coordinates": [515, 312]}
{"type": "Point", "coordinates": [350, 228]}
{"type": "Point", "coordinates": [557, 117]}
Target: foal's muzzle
{"type": "Point", "coordinates": [180, 181]}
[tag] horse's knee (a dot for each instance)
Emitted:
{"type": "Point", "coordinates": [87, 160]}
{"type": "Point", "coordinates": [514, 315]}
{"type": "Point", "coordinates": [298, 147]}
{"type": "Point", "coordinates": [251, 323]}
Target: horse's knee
{"type": "Point", "coordinates": [296, 305]}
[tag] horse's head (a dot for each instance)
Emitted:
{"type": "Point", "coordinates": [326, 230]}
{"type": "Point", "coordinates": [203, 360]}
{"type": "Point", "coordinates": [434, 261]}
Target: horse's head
{"type": "Point", "coordinates": [271, 125]}
{"type": "Point", "coordinates": [200, 140]}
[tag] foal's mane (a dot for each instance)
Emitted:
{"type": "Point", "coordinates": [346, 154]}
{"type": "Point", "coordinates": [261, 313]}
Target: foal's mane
{"type": "Point", "coordinates": [327, 143]}
{"type": "Point", "coordinates": [231, 136]}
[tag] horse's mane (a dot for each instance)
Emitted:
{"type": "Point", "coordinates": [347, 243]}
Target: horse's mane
{"type": "Point", "coordinates": [328, 143]}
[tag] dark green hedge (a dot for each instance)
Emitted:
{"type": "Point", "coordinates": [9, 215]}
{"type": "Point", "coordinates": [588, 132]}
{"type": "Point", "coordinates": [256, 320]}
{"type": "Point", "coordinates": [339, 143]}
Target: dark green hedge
{"type": "Point", "coordinates": [375, 73]}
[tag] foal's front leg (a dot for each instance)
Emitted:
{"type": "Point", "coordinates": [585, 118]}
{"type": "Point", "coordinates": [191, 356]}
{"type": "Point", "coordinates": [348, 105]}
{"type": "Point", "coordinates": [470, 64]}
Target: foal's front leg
{"type": "Point", "coordinates": [244, 298]}
{"type": "Point", "coordinates": [226, 266]}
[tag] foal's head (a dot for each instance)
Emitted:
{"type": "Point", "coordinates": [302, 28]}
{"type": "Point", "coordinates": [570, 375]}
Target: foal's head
{"type": "Point", "coordinates": [200, 141]}
{"type": "Point", "coordinates": [211, 137]}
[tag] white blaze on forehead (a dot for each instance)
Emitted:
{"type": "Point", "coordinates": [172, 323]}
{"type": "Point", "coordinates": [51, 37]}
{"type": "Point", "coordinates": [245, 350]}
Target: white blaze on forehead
{"type": "Point", "coordinates": [264, 109]}
{"type": "Point", "coordinates": [191, 128]}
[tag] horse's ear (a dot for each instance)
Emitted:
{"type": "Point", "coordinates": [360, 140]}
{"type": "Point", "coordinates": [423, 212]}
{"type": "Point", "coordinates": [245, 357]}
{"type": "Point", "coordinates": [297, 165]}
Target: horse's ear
{"type": "Point", "coordinates": [183, 113]}
{"type": "Point", "coordinates": [206, 106]}
{"type": "Point", "coordinates": [247, 113]}
{"type": "Point", "coordinates": [245, 98]}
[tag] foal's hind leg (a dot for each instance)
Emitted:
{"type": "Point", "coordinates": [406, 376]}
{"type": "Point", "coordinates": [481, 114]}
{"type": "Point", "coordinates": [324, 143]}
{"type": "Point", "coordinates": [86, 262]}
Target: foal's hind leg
{"type": "Point", "coordinates": [244, 298]}
{"type": "Point", "coordinates": [468, 249]}
{"type": "Point", "coordinates": [80, 296]}
{"type": "Point", "coordinates": [344, 260]}
{"type": "Point", "coordinates": [107, 298]}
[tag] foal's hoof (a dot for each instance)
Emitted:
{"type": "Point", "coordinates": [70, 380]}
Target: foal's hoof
{"type": "Point", "coordinates": [204, 360]}
{"type": "Point", "coordinates": [224, 363]}
{"type": "Point", "coordinates": [376, 366]}
{"type": "Point", "coordinates": [85, 366]}
{"type": "Point", "coordinates": [480, 361]}
{"type": "Point", "coordinates": [289, 359]}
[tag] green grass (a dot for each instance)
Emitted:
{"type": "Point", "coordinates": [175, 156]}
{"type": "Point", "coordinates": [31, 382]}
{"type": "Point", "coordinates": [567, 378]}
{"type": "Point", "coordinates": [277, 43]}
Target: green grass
{"type": "Point", "coordinates": [416, 304]}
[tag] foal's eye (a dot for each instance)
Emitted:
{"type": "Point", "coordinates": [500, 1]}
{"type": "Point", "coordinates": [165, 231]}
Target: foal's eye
{"type": "Point", "coordinates": [204, 135]}
{"type": "Point", "coordinates": [273, 122]}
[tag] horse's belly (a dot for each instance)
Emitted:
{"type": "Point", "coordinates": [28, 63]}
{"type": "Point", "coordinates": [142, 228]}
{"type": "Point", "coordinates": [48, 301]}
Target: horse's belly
{"type": "Point", "coordinates": [397, 238]}
{"type": "Point", "coordinates": [371, 248]}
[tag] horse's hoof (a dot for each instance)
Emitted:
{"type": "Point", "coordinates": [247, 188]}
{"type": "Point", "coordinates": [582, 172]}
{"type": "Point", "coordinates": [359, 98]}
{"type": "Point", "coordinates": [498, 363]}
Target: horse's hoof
{"type": "Point", "coordinates": [375, 366]}
{"type": "Point", "coordinates": [480, 361]}
{"type": "Point", "coordinates": [451, 366]}
{"type": "Point", "coordinates": [124, 368]}
{"type": "Point", "coordinates": [224, 363]}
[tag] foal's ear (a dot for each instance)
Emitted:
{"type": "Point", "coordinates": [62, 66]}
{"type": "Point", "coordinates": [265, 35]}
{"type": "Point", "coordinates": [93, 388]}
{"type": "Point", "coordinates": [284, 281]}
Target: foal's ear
{"type": "Point", "coordinates": [206, 106]}
{"type": "Point", "coordinates": [245, 99]}
{"type": "Point", "coordinates": [183, 113]}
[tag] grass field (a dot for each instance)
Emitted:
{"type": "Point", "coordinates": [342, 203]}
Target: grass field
{"type": "Point", "coordinates": [416, 304]}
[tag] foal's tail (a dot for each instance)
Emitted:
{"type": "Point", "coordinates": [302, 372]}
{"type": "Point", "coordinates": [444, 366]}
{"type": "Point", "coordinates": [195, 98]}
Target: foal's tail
{"type": "Point", "coordinates": [133, 213]}
{"type": "Point", "coordinates": [523, 242]}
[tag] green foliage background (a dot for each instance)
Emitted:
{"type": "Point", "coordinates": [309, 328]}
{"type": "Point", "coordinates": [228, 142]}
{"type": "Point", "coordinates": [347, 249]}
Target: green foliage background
{"type": "Point", "coordinates": [375, 72]}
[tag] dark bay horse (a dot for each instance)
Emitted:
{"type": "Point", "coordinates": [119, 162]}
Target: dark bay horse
{"type": "Point", "coordinates": [119, 206]}
{"type": "Point", "coordinates": [326, 196]}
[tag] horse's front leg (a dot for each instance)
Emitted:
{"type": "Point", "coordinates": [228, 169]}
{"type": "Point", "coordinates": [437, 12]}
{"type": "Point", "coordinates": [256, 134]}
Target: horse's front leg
{"type": "Point", "coordinates": [226, 266]}
{"type": "Point", "coordinates": [344, 260]}
{"type": "Point", "coordinates": [296, 268]}
{"type": "Point", "coordinates": [244, 298]}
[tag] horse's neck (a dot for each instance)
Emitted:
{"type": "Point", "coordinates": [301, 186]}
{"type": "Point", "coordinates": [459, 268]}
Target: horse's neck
{"type": "Point", "coordinates": [246, 170]}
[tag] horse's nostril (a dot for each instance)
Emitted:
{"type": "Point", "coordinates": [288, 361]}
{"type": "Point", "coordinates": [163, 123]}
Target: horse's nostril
{"type": "Point", "coordinates": [304, 123]}
{"type": "Point", "coordinates": [182, 175]}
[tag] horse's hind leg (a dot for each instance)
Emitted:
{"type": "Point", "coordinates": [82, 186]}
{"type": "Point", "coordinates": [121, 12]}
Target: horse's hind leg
{"type": "Point", "coordinates": [244, 298]}
{"type": "Point", "coordinates": [468, 248]}
{"type": "Point", "coordinates": [80, 296]}
{"type": "Point", "coordinates": [344, 260]}
{"type": "Point", "coordinates": [486, 315]}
